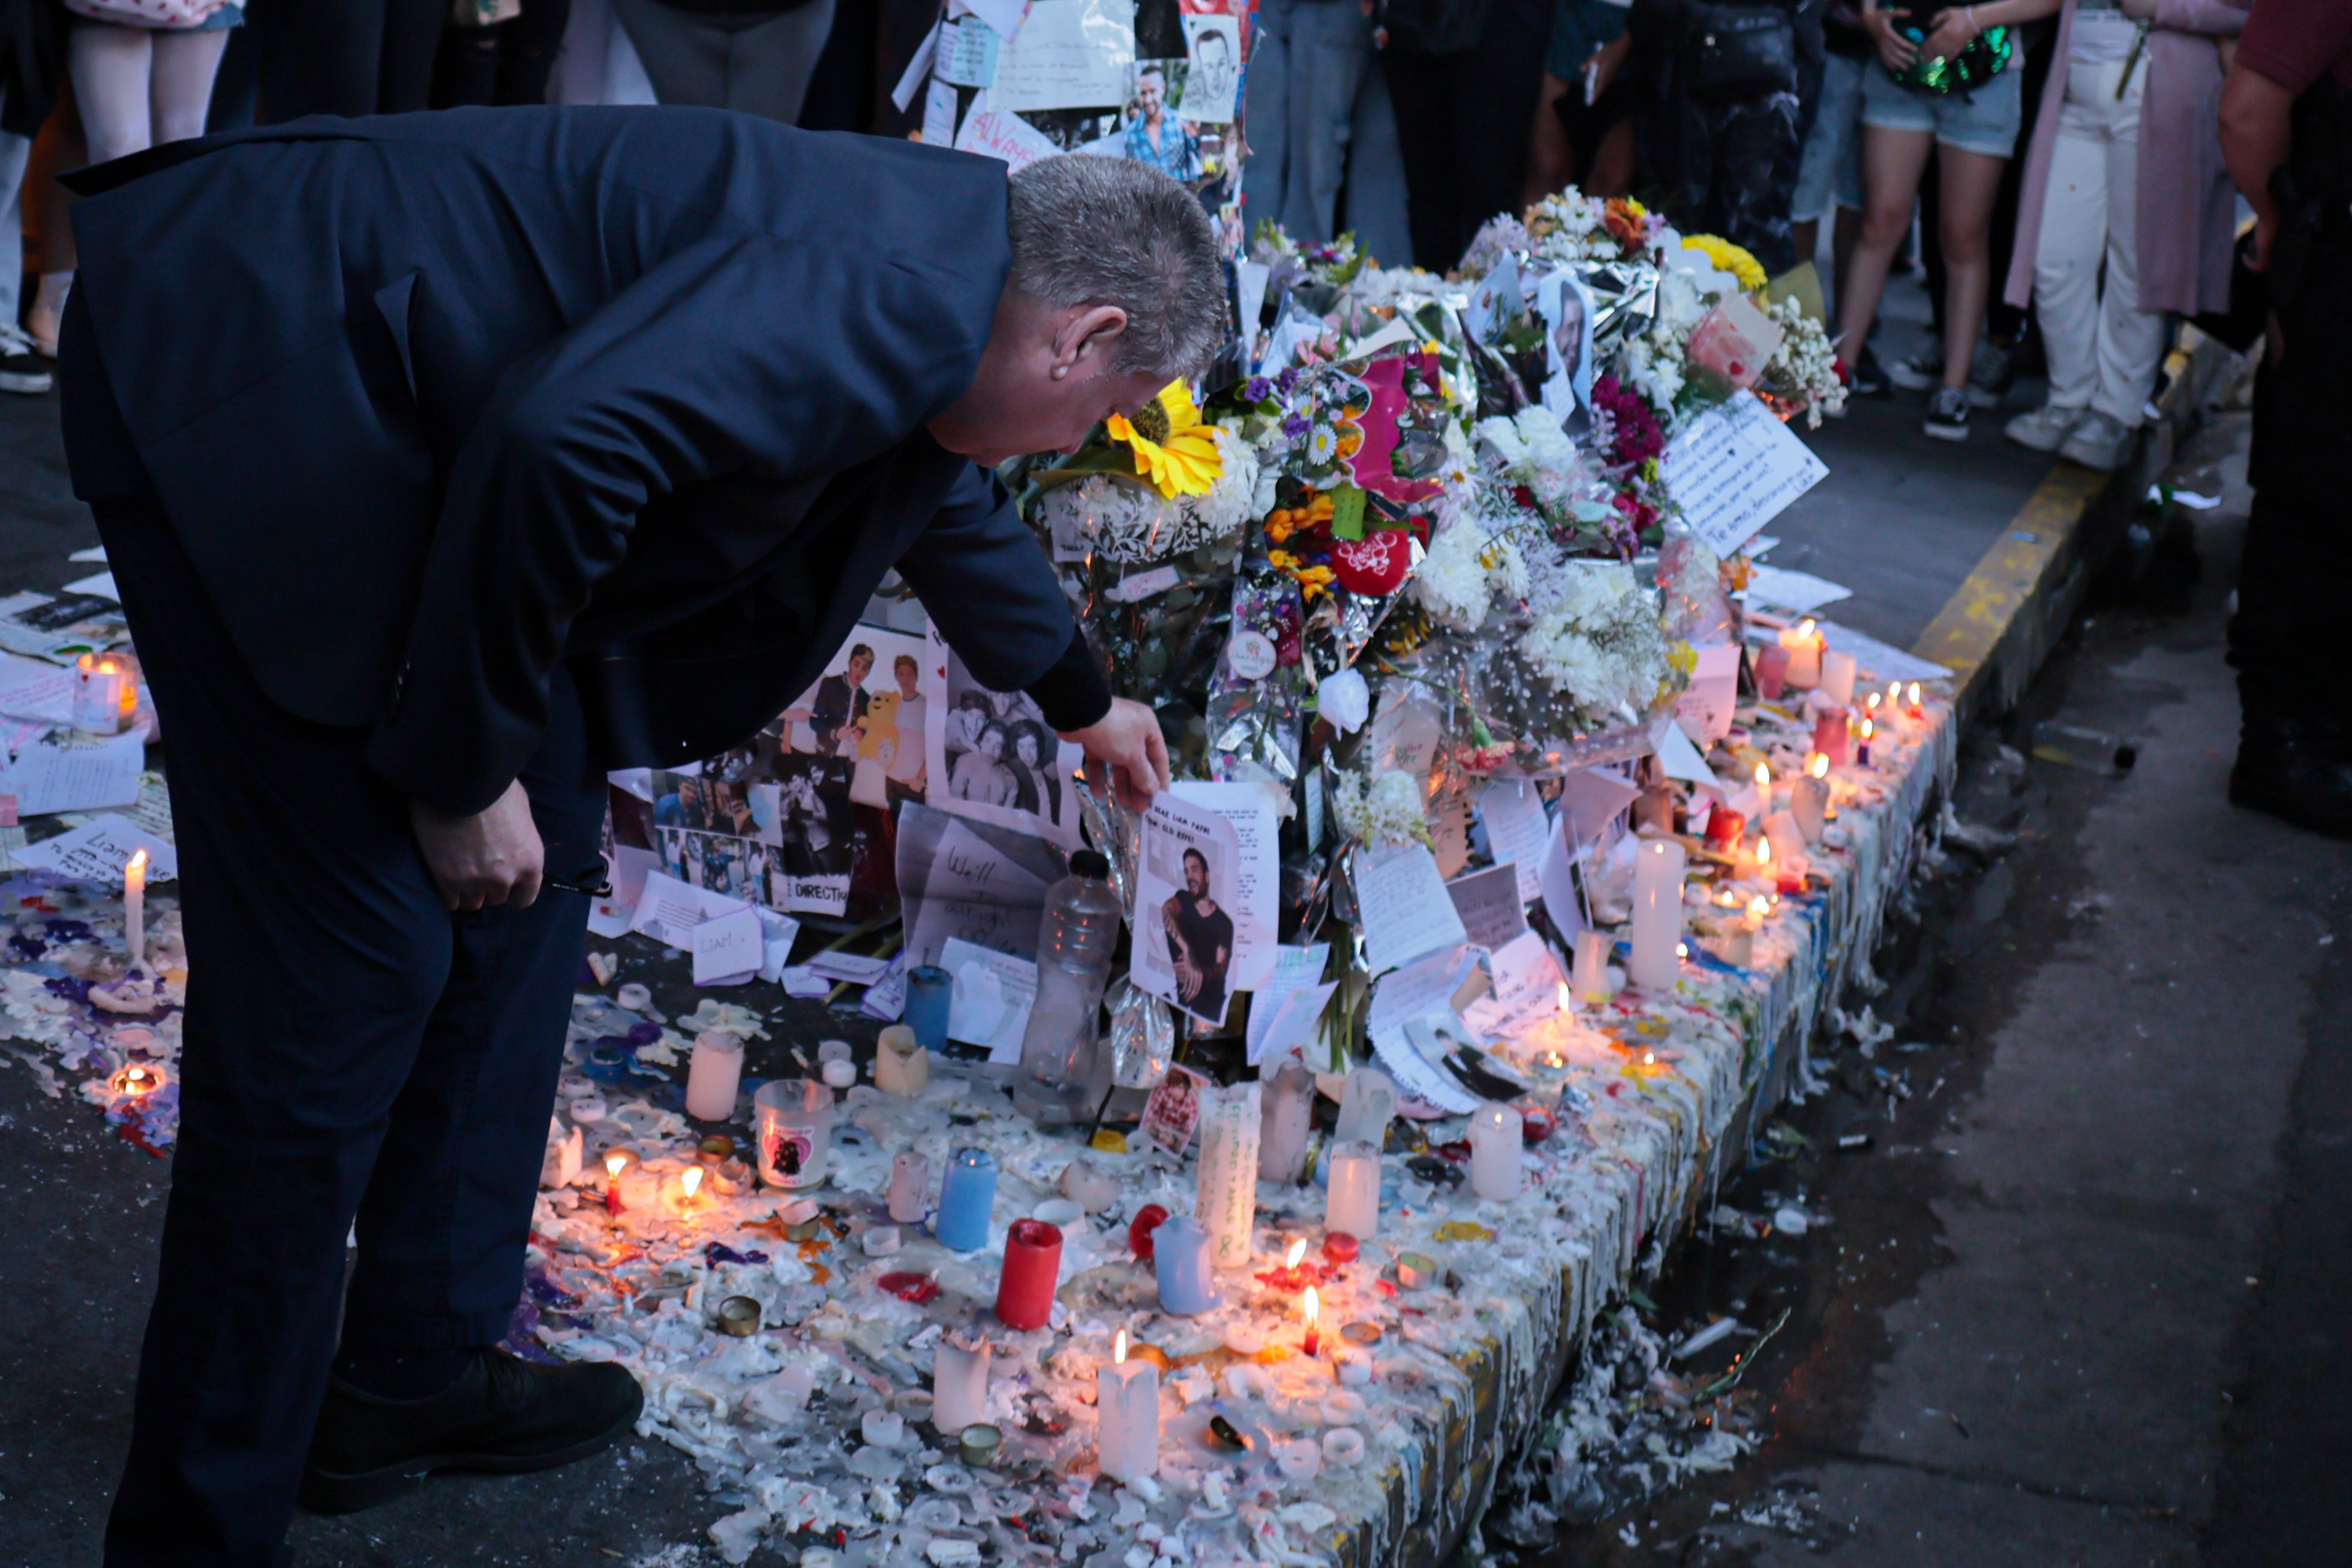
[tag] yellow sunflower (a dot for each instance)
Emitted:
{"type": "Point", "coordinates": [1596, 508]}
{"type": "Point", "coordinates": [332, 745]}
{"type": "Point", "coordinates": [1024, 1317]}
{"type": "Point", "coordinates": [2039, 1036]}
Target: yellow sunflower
{"type": "Point", "coordinates": [1172, 448]}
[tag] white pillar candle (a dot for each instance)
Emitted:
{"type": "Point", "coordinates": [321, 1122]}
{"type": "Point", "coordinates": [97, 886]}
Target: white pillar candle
{"type": "Point", "coordinates": [1657, 914]}
{"type": "Point", "coordinates": [1804, 646]}
{"type": "Point", "coordinates": [1497, 1138]}
{"type": "Point", "coordinates": [959, 1386]}
{"type": "Point", "coordinates": [1352, 1203]}
{"type": "Point", "coordinates": [1591, 982]}
{"type": "Point", "coordinates": [1127, 1410]}
{"type": "Point", "coordinates": [910, 1186]}
{"type": "Point", "coordinates": [1367, 1101]}
{"type": "Point", "coordinates": [1809, 799]}
{"type": "Point", "coordinates": [1838, 670]}
{"type": "Point", "coordinates": [712, 1075]}
{"type": "Point", "coordinates": [901, 1064]}
{"type": "Point", "coordinates": [1227, 1205]}
{"type": "Point", "coordinates": [134, 909]}
{"type": "Point", "coordinates": [1787, 837]}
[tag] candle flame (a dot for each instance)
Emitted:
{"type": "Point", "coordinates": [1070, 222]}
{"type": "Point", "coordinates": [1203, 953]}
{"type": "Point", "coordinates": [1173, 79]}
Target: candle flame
{"type": "Point", "coordinates": [108, 666]}
{"type": "Point", "coordinates": [1915, 694]}
{"type": "Point", "coordinates": [1649, 1058]}
{"type": "Point", "coordinates": [1820, 766]}
{"type": "Point", "coordinates": [1763, 776]}
{"type": "Point", "coordinates": [138, 862]}
{"type": "Point", "coordinates": [615, 1164]}
{"type": "Point", "coordinates": [1118, 1347]}
{"type": "Point", "coordinates": [1869, 727]}
{"type": "Point", "coordinates": [1805, 628]}
{"type": "Point", "coordinates": [1871, 703]}
{"type": "Point", "coordinates": [1314, 1307]}
{"type": "Point", "coordinates": [1566, 1002]}
{"type": "Point", "coordinates": [691, 1181]}
{"type": "Point", "coordinates": [1298, 1251]}
{"type": "Point", "coordinates": [1757, 909]}
{"type": "Point", "coordinates": [1763, 853]}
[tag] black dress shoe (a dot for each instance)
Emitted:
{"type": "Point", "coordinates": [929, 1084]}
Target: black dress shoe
{"type": "Point", "coordinates": [503, 1414]}
{"type": "Point", "coordinates": [2297, 771]}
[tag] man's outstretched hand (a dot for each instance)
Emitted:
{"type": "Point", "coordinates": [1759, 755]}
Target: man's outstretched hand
{"type": "Point", "coordinates": [1128, 740]}
{"type": "Point", "coordinates": [494, 857]}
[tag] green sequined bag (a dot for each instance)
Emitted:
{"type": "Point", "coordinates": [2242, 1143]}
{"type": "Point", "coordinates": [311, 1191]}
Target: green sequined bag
{"type": "Point", "coordinates": [1984, 57]}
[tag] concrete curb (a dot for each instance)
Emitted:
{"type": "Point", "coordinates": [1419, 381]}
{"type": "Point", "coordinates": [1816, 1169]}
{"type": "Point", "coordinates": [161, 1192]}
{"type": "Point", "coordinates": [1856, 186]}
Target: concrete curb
{"type": "Point", "coordinates": [2001, 624]}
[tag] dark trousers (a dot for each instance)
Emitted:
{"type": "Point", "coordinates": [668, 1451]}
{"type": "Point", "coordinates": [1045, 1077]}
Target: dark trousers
{"type": "Point", "coordinates": [347, 57]}
{"type": "Point", "coordinates": [1732, 172]}
{"type": "Point", "coordinates": [1463, 121]}
{"type": "Point", "coordinates": [504, 64]}
{"type": "Point", "coordinates": [2295, 577]}
{"type": "Point", "coordinates": [351, 1050]}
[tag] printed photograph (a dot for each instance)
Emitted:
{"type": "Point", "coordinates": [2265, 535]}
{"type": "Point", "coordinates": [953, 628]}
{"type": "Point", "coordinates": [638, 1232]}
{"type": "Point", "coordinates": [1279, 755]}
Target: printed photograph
{"type": "Point", "coordinates": [992, 755]}
{"type": "Point", "coordinates": [1183, 950]}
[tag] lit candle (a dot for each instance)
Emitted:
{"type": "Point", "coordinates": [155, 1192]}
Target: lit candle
{"type": "Point", "coordinates": [615, 1164]}
{"type": "Point", "coordinates": [959, 1384]}
{"type": "Point", "coordinates": [1127, 1413]}
{"type": "Point", "coordinates": [690, 1198]}
{"type": "Point", "coordinates": [712, 1075]}
{"type": "Point", "coordinates": [1724, 827]}
{"type": "Point", "coordinates": [136, 1081]}
{"type": "Point", "coordinates": [902, 1064]}
{"type": "Point", "coordinates": [1351, 1201]}
{"type": "Point", "coordinates": [1804, 646]}
{"type": "Point", "coordinates": [967, 1195]}
{"type": "Point", "coordinates": [1911, 701]}
{"type": "Point", "coordinates": [1311, 1307]}
{"type": "Point", "coordinates": [1180, 1264]}
{"type": "Point", "coordinates": [135, 908]}
{"type": "Point", "coordinates": [1809, 798]}
{"type": "Point", "coordinates": [1657, 914]}
{"type": "Point", "coordinates": [910, 1186]}
{"type": "Point", "coordinates": [1591, 975]}
{"type": "Point", "coordinates": [1227, 1202]}
{"type": "Point", "coordinates": [1762, 864]}
{"type": "Point", "coordinates": [1786, 840]}
{"type": "Point", "coordinates": [1838, 671]}
{"type": "Point", "coordinates": [1033, 1267]}
{"type": "Point", "coordinates": [1498, 1135]}
{"type": "Point", "coordinates": [105, 694]}
{"type": "Point", "coordinates": [1862, 752]}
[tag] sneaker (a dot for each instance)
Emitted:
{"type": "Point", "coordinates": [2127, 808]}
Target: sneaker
{"type": "Point", "coordinates": [1863, 378]}
{"type": "Point", "coordinates": [503, 1414]}
{"type": "Point", "coordinates": [2101, 442]}
{"type": "Point", "coordinates": [1990, 374]}
{"type": "Point", "coordinates": [1947, 415]}
{"type": "Point", "coordinates": [1923, 372]}
{"type": "Point", "coordinates": [2045, 430]}
{"type": "Point", "coordinates": [22, 370]}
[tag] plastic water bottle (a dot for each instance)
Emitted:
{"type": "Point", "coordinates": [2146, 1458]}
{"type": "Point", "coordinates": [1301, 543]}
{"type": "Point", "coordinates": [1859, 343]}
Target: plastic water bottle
{"type": "Point", "coordinates": [1062, 1074]}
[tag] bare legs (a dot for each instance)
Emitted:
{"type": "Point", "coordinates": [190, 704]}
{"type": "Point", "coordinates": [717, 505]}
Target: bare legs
{"type": "Point", "coordinates": [1892, 162]}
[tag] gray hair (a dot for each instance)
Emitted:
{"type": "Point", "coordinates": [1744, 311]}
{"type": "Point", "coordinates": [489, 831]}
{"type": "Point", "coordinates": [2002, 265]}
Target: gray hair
{"type": "Point", "coordinates": [1108, 231]}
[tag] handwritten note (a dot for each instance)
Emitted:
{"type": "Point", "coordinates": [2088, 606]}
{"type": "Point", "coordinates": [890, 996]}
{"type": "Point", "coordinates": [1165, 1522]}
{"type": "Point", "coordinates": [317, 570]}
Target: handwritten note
{"type": "Point", "coordinates": [1526, 974]}
{"type": "Point", "coordinates": [1402, 903]}
{"type": "Point", "coordinates": [1513, 813]}
{"type": "Point", "coordinates": [670, 909]}
{"type": "Point", "coordinates": [1786, 589]}
{"type": "Point", "coordinates": [1000, 134]}
{"type": "Point", "coordinates": [48, 776]}
{"type": "Point", "coordinates": [1295, 969]}
{"type": "Point", "coordinates": [1488, 904]}
{"type": "Point", "coordinates": [1069, 54]}
{"type": "Point", "coordinates": [727, 950]}
{"type": "Point", "coordinates": [1735, 468]}
{"type": "Point", "coordinates": [98, 851]}
{"type": "Point", "coordinates": [990, 1003]}
{"type": "Point", "coordinates": [967, 53]}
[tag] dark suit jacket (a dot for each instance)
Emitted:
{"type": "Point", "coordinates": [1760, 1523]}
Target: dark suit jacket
{"type": "Point", "coordinates": [435, 400]}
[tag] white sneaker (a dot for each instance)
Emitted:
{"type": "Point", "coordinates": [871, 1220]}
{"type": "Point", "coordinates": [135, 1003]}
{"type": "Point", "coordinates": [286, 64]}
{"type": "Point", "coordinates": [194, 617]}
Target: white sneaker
{"type": "Point", "coordinates": [2101, 441]}
{"type": "Point", "coordinates": [2045, 430]}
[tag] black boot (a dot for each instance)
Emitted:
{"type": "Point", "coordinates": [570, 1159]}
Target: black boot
{"type": "Point", "coordinates": [503, 1414]}
{"type": "Point", "coordinates": [2297, 770]}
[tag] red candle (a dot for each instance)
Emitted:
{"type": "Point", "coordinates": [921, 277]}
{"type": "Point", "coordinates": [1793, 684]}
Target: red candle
{"type": "Point", "coordinates": [1724, 827]}
{"type": "Point", "coordinates": [613, 1165]}
{"type": "Point", "coordinates": [1771, 670]}
{"type": "Point", "coordinates": [1340, 1248]}
{"type": "Point", "coordinates": [1033, 1266]}
{"type": "Point", "coordinates": [1830, 737]}
{"type": "Point", "coordinates": [1139, 1231]}
{"type": "Point", "coordinates": [1312, 1306]}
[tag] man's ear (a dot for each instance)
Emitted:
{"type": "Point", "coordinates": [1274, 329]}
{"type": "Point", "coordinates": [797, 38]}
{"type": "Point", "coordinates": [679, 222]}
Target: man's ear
{"type": "Point", "coordinates": [1082, 331]}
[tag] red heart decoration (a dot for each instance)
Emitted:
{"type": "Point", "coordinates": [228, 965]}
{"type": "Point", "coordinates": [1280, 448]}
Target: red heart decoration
{"type": "Point", "coordinates": [1376, 563]}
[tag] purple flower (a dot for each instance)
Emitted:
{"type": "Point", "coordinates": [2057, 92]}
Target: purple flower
{"type": "Point", "coordinates": [1259, 390]}
{"type": "Point", "coordinates": [1293, 425]}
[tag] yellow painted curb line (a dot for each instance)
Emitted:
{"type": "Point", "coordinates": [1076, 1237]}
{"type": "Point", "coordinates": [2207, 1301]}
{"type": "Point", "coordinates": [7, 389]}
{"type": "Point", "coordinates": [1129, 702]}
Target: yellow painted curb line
{"type": "Point", "coordinates": [1965, 634]}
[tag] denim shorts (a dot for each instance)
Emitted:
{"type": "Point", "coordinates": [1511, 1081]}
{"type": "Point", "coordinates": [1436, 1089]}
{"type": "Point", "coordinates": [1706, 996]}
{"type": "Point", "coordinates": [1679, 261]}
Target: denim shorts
{"type": "Point", "coordinates": [1983, 119]}
{"type": "Point", "coordinates": [1831, 169]}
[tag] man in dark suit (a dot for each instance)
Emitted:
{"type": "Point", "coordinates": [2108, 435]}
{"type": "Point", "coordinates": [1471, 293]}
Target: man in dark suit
{"type": "Point", "coordinates": [445, 462]}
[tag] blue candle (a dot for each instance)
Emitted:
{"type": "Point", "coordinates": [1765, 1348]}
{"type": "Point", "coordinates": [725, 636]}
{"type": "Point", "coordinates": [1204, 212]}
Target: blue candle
{"type": "Point", "coordinates": [1180, 1258]}
{"type": "Point", "coordinates": [966, 1195]}
{"type": "Point", "coordinates": [928, 990]}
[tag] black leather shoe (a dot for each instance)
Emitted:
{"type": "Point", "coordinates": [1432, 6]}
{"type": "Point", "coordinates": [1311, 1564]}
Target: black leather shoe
{"type": "Point", "coordinates": [2297, 771]}
{"type": "Point", "coordinates": [503, 1414]}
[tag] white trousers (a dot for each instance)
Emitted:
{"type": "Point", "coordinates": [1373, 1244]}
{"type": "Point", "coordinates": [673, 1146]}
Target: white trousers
{"type": "Point", "coordinates": [2103, 347]}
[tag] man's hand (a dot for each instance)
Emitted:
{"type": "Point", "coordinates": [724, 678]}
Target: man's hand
{"type": "Point", "coordinates": [494, 857]}
{"type": "Point", "coordinates": [1128, 740]}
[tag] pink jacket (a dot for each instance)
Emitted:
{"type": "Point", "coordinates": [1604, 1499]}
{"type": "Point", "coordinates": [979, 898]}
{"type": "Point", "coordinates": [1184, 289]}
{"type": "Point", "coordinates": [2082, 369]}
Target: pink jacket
{"type": "Point", "coordinates": [2187, 208]}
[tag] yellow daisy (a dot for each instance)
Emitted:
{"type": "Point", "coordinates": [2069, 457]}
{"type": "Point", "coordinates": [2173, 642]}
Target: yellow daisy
{"type": "Point", "coordinates": [1729, 258]}
{"type": "Point", "coordinates": [1172, 448]}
